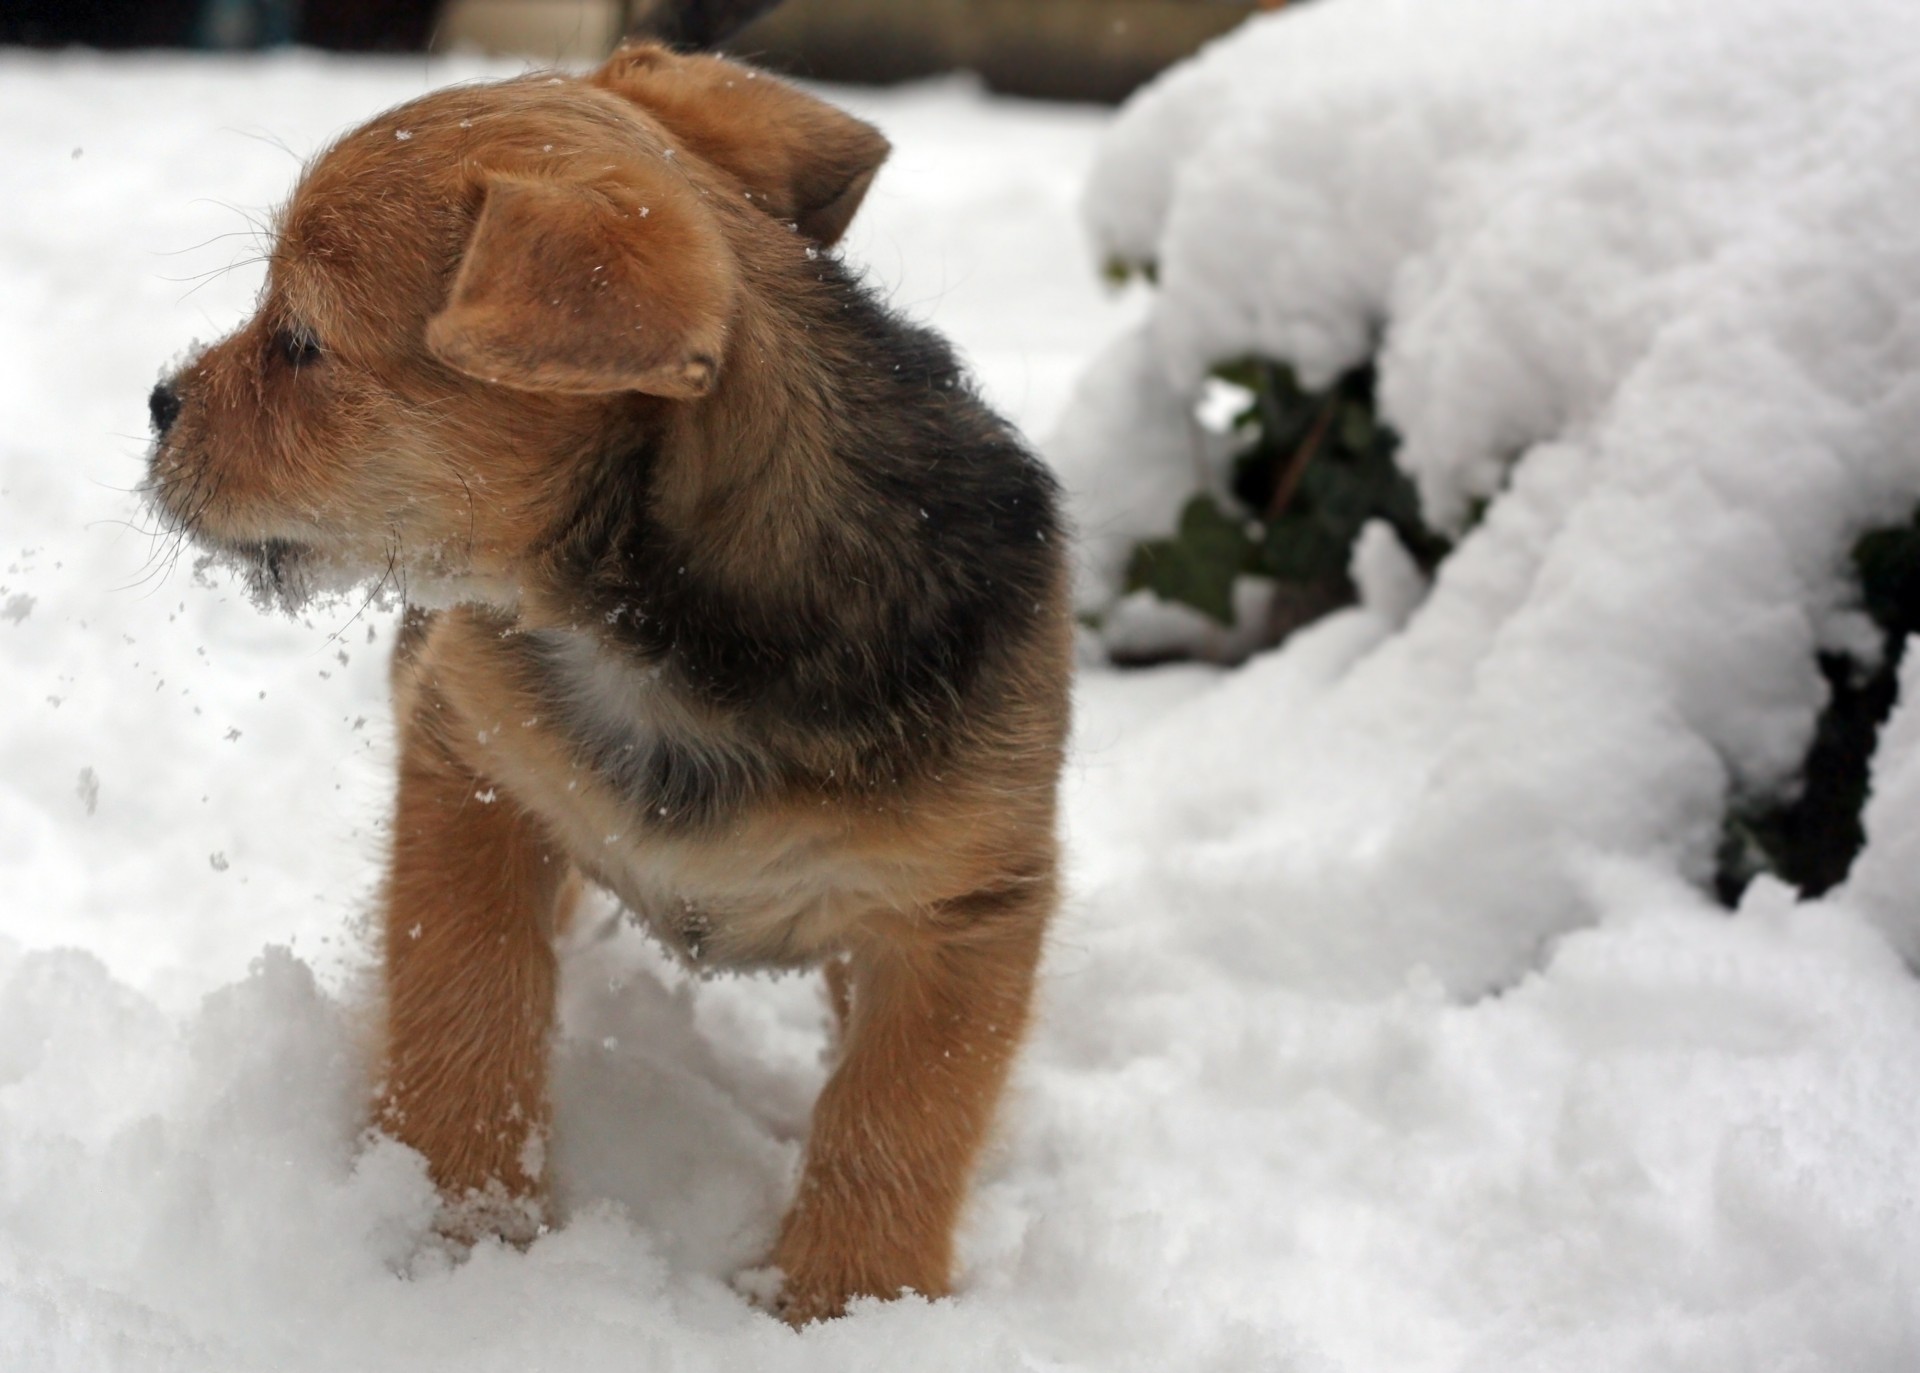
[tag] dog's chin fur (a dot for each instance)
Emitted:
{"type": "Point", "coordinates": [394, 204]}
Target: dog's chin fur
{"type": "Point", "coordinates": [725, 591]}
{"type": "Point", "coordinates": [292, 578]}
{"type": "Point", "coordinates": [296, 577]}
{"type": "Point", "coordinates": [286, 576]}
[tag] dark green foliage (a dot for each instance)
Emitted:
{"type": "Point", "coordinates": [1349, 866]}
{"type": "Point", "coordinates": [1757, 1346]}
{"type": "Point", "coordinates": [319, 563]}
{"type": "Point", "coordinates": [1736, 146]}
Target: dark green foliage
{"type": "Point", "coordinates": [1811, 840]}
{"type": "Point", "coordinates": [1117, 271]}
{"type": "Point", "coordinates": [1888, 561]}
{"type": "Point", "coordinates": [1197, 565]}
{"type": "Point", "coordinates": [1316, 468]}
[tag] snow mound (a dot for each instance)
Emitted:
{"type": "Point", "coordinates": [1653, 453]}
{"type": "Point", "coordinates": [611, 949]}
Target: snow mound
{"type": "Point", "coordinates": [1637, 275]}
{"type": "Point", "coordinates": [1672, 1148]}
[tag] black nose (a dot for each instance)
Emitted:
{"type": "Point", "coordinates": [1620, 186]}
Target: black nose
{"type": "Point", "coordinates": [164, 406]}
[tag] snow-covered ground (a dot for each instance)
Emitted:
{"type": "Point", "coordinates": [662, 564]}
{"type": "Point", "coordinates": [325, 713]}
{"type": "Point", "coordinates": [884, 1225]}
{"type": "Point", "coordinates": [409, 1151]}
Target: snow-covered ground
{"type": "Point", "coordinates": [1272, 1117]}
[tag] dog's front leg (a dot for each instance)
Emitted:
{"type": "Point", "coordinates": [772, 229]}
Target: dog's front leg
{"type": "Point", "coordinates": [470, 911]}
{"type": "Point", "coordinates": [935, 1017]}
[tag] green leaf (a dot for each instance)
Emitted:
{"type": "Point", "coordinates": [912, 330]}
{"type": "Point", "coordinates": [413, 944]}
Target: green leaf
{"type": "Point", "coordinates": [1243, 372]}
{"type": "Point", "coordinates": [1299, 548]}
{"type": "Point", "coordinates": [1197, 566]}
{"type": "Point", "coordinates": [1341, 496]}
{"type": "Point", "coordinates": [1349, 477]}
{"type": "Point", "coordinates": [1357, 428]}
{"type": "Point", "coordinates": [1118, 271]}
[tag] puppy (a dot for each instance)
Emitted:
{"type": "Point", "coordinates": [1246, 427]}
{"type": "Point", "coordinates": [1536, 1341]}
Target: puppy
{"type": "Point", "coordinates": [747, 609]}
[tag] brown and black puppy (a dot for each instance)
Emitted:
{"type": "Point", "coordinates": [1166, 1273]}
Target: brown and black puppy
{"type": "Point", "coordinates": [749, 610]}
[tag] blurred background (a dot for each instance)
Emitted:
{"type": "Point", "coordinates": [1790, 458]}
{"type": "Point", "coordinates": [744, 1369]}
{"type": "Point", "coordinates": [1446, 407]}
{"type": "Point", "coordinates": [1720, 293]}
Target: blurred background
{"type": "Point", "coordinates": [1058, 49]}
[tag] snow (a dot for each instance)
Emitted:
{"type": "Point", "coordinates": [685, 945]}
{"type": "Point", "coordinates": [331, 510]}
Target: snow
{"type": "Point", "coordinates": [1881, 883]}
{"type": "Point", "coordinates": [1620, 296]}
{"type": "Point", "coordinates": [1386, 1025]}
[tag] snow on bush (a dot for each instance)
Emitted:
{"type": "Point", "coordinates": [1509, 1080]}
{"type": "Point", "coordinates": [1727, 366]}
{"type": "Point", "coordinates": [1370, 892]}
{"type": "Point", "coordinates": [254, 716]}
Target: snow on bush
{"type": "Point", "coordinates": [1635, 277]}
{"type": "Point", "coordinates": [1264, 1122]}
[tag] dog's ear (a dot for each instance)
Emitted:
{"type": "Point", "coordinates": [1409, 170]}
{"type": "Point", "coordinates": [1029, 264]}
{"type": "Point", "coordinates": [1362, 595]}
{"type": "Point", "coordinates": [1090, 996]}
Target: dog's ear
{"type": "Point", "coordinates": [799, 158]}
{"type": "Point", "coordinates": [588, 290]}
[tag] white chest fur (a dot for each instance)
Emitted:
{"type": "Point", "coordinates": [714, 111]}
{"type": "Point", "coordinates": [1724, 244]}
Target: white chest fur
{"type": "Point", "coordinates": [671, 811]}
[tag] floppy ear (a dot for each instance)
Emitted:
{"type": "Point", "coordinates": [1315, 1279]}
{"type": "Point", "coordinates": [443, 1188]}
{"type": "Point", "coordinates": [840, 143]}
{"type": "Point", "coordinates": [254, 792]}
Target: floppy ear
{"type": "Point", "coordinates": [587, 290]}
{"type": "Point", "coordinates": [800, 158]}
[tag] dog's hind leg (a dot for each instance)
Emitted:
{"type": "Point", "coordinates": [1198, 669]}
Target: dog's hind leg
{"type": "Point", "coordinates": [473, 894]}
{"type": "Point", "coordinates": [937, 1012]}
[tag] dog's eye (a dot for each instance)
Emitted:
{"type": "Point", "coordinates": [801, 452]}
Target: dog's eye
{"type": "Point", "coordinates": [297, 345]}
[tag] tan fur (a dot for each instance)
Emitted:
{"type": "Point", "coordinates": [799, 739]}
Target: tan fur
{"type": "Point", "coordinates": [488, 326]}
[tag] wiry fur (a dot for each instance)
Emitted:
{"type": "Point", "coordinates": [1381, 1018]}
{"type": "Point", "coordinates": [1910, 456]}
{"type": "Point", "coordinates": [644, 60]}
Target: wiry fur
{"type": "Point", "coordinates": [756, 613]}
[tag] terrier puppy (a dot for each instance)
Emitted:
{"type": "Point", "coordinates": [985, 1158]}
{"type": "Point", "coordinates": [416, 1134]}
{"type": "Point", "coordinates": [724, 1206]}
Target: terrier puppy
{"type": "Point", "coordinates": [748, 609]}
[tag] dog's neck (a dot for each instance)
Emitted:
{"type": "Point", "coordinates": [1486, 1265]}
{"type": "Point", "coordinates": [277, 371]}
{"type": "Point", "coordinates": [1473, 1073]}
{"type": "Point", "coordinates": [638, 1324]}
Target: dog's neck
{"type": "Point", "coordinates": [760, 487]}
{"type": "Point", "coordinates": [753, 471]}
{"type": "Point", "coordinates": [829, 544]}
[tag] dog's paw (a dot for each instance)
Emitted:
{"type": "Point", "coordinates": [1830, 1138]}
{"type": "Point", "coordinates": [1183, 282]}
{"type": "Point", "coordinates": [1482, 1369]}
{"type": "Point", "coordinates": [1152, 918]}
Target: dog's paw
{"type": "Point", "coordinates": [802, 1298]}
{"type": "Point", "coordinates": [800, 1303]}
{"type": "Point", "coordinates": [803, 1305]}
{"type": "Point", "coordinates": [491, 1212]}
{"type": "Point", "coordinates": [761, 1286]}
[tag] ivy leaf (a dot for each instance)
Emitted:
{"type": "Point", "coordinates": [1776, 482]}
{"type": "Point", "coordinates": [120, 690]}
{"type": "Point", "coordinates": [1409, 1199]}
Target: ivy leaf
{"type": "Point", "coordinates": [1313, 467]}
{"type": "Point", "coordinates": [1118, 271]}
{"type": "Point", "coordinates": [1197, 566]}
{"type": "Point", "coordinates": [1357, 428]}
{"type": "Point", "coordinates": [1341, 495]}
{"type": "Point", "coordinates": [1299, 548]}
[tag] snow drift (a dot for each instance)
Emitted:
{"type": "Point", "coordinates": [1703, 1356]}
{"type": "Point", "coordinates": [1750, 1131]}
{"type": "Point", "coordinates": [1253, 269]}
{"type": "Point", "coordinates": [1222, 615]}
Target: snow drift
{"type": "Point", "coordinates": [1636, 276]}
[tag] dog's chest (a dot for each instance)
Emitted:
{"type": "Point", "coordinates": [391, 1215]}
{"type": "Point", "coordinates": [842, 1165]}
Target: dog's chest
{"type": "Point", "coordinates": [672, 812]}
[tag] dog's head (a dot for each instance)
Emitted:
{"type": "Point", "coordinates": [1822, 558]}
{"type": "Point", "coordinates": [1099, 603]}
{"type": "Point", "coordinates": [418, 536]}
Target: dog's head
{"type": "Point", "coordinates": [467, 294]}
